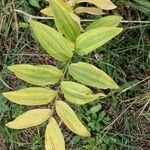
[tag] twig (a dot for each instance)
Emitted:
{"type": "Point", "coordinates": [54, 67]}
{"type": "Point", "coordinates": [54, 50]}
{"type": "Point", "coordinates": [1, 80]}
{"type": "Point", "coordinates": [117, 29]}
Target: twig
{"type": "Point", "coordinates": [34, 17]}
{"type": "Point", "coordinates": [82, 20]}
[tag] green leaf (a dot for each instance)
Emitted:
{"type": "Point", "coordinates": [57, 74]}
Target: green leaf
{"type": "Point", "coordinates": [70, 119]}
{"type": "Point", "coordinates": [90, 75]}
{"type": "Point", "coordinates": [31, 96]}
{"type": "Point", "coordinates": [34, 3]}
{"type": "Point", "coordinates": [104, 4]}
{"type": "Point", "coordinates": [64, 21]}
{"type": "Point", "coordinates": [54, 139]}
{"type": "Point", "coordinates": [108, 21]}
{"type": "Point", "coordinates": [77, 93]}
{"type": "Point", "coordinates": [95, 109]}
{"type": "Point", "coordinates": [37, 75]}
{"type": "Point", "coordinates": [93, 39]}
{"type": "Point", "coordinates": [53, 42]}
{"type": "Point", "coordinates": [30, 119]}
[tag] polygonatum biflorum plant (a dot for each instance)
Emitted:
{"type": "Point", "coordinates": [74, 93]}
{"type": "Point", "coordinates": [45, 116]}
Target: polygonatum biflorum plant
{"type": "Point", "coordinates": [73, 6]}
{"type": "Point", "coordinates": [62, 46]}
{"type": "Point", "coordinates": [73, 9]}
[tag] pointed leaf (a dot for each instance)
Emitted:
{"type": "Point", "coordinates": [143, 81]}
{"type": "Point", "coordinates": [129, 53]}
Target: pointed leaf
{"type": "Point", "coordinates": [53, 42]}
{"type": "Point", "coordinates": [30, 119]}
{"type": "Point", "coordinates": [104, 4]}
{"type": "Point", "coordinates": [37, 75]}
{"type": "Point", "coordinates": [31, 96]}
{"type": "Point", "coordinates": [90, 75]}
{"type": "Point", "coordinates": [34, 3]}
{"type": "Point", "coordinates": [89, 10]}
{"type": "Point", "coordinates": [63, 20]}
{"type": "Point", "coordinates": [54, 139]}
{"type": "Point", "coordinates": [77, 93]}
{"type": "Point", "coordinates": [70, 119]}
{"type": "Point", "coordinates": [108, 21]}
{"type": "Point", "coordinates": [93, 39]}
{"type": "Point", "coordinates": [47, 11]}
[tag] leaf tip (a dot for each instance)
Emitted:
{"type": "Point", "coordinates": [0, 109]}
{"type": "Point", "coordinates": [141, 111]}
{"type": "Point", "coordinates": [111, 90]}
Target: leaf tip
{"type": "Point", "coordinates": [88, 134]}
{"type": "Point", "coordinates": [9, 125]}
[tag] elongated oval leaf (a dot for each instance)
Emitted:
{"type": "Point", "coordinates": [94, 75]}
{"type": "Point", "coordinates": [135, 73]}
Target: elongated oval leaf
{"type": "Point", "coordinates": [70, 119]}
{"type": "Point", "coordinates": [30, 119]}
{"type": "Point", "coordinates": [93, 39]}
{"type": "Point", "coordinates": [54, 139]}
{"type": "Point", "coordinates": [90, 75]}
{"type": "Point", "coordinates": [37, 75]}
{"type": "Point", "coordinates": [53, 42]}
{"type": "Point", "coordinates": [31, 96]}
{"type": "Point", "coordinates": [108, 21]}
{"type": "Point", "coordinates": [63, 20]}
{"type": "Point", "coordinates": [77, 93]}
{"type": "Point", "coordinates": [104, 4]}
{"type": "Point", "coordinates": [34, 3]}
{"type": "Point", "coordinates": [89, 10]}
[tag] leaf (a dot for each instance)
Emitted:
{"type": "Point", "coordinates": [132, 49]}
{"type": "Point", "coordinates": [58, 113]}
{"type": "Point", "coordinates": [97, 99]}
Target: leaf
{"type": "Point", "coordinates": [30, 119]}
{"type": "Point", "coordinates": [90, 75]}
{"type": "Point", "coordinates": [54, 139]}
{"type": "Point", "coordinates": [31, 96]}
{"type": "Point", "coordinates": [70, 119]}
{"type": "Point", "coordinates": [71, 2]}
{"type": "Point", "coordinates": [34, 3]}
{"type": "Point", "coordinates": [93, 39]}
{"type": "Point", "coordinates": [108, 21]}
{"type": "Point", "coordinates": [53, 42]}
{"type": "Point", "coordinates": [77, 93]}
{"type": "Point", "coordinates": [47, 11]}
{"type": "Point", "coordinates": [64, 21]}
{"type": "Point", "coordinates": [37, 75]}
{"type": "Point", "coordinates": [104, 4]}
{"type": "Point", "coordinates": [77, 20]}
{"type": "Point", "coordinates": [95, 109]}
{"type": "Point", "coordinates": [89, 10]}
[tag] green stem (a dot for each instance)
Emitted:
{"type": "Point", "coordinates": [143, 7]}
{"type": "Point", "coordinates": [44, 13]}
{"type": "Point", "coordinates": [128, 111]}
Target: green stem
{"type": "Point", "coordinates": [62, 79]}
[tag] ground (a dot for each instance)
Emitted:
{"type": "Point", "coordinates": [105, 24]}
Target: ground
{"type": "Point", "coordinates": [119, 122]}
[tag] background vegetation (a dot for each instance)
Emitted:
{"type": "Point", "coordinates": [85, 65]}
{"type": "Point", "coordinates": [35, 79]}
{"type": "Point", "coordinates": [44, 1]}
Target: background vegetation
{"type": "Point", "coordinates": [119, 122]}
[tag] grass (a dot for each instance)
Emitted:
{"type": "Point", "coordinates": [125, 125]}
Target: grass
{"type": "Point", "coordinates": [120, 121]}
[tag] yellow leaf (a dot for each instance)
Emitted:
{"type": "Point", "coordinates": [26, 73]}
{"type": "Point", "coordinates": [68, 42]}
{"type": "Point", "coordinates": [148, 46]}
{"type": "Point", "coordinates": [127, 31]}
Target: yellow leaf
{"type": "Point", "coordinates": [77, 20]}
{"type": "Point", "coordinates": [70, 119]}
{"type": "Point", "coordinates": [54, 139]}
{"type": "Point", "coordinates": [104, 4]}
{"type": "Point", "coordinates": [37, 74]}
{"type": "Point", "coordinates": [108, 21]}
{"type": "Point", "coordinates": [63, 20]}
{"type": "Point", "coordinates": [90, 75]}
{"type": "Point", "coordinates": [77, 93]}
{"type": "Point", "coordinates": [30, 119]}
{"type": "Point", "coordinates": [52, 41]}
{"type": "Point", "coordinates": [94, 38]}
{"type": "Point", "coordinates": [71, 2]}
{"type": "Point", "coordinates": [31, 96]}
{"type": "Point", "coordinates": [89, 10]}
{"type": "Point", "coordinates": [47, 11]}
